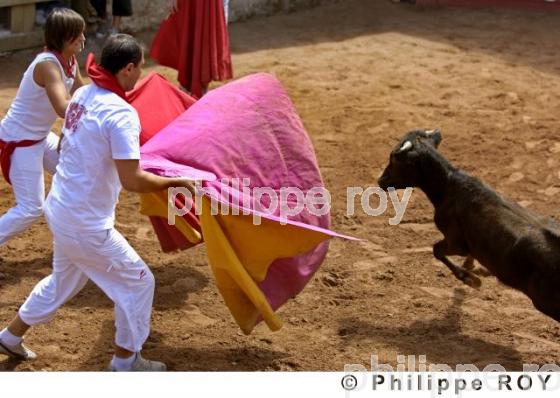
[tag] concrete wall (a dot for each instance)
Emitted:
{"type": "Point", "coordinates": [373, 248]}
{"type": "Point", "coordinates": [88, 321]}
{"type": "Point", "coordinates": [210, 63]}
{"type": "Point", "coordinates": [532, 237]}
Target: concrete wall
{"type": "Point", "coordinates": [149, 13]}
{"type": "Point", "coordinates": [243, 9]}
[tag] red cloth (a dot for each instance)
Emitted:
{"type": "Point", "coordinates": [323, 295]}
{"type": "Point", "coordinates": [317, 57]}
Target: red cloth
{"type": "Point", "coordinates": [6, 151]}
{"type": "Point", "coordinates": [169, 237]}
{"type": "Point", "coordinates": [194, 41]}
{"type": "Point", "coordinates": [158, 103]}
{"type": "Point", "coordinates": [103, 78]}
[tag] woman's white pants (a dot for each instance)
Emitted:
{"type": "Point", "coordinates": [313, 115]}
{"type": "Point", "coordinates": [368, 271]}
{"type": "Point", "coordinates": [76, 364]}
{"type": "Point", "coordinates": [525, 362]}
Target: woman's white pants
{"type": "Point", "coordinates": [28, 185]}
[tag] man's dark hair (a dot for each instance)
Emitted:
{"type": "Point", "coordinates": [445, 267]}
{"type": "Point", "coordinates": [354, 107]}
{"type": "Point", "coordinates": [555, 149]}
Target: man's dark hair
{"type": "Point", "coordinates": [63, 25]}
{"type": "Point", "coordinates": [119, 51]}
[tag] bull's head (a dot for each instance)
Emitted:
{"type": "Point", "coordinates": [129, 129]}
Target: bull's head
{"type": "Point", "coordinates": [404, 168]}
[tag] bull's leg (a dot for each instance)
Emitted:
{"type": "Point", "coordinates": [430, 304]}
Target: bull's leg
{"type": "Point", "coordinates": [543, 292]}
{"type": "Point", "coordinates": [468, 264]}
{"type": "Point", "coordinates": [441, 251]}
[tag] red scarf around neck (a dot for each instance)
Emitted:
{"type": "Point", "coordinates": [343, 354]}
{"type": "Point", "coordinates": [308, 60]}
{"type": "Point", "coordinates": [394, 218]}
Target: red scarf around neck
{"type": "Point", "coordinates": [103, 78]}
{"type": "Point", "coordinates": [67, 65]}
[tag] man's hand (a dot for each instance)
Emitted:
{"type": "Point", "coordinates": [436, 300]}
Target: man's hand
{"type": "Point", "coordinates": [183, 182]}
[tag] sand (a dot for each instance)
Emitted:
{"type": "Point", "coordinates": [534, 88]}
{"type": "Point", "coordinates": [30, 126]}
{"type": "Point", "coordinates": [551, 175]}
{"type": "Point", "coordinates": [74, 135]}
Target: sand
{"type": "Point", "coordinates": [361, 73]}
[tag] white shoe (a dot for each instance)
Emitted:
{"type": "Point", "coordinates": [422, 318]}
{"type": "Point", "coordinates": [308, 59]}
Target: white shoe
{"type": "Point", "coordinates": [19, 352]}
{"type": "Point", "coordinates": [143, 365]}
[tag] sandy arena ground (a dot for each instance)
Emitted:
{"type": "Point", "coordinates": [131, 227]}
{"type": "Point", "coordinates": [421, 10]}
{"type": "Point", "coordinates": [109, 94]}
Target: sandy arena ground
{"type": "Point", "coordinates": [361, 73]}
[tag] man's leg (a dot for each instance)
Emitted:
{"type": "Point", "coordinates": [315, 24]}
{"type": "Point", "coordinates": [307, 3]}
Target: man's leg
{"type": "Point", "coordinates": [113, 265]}
{"type": "Point", "coordinates": [26, 174]}
{"type": "Point", "coordinates": [56, 289]}
{"type": "Point", "coordinates": [11, 341]}
{"type": "Point", "coordinates": [46, 298]}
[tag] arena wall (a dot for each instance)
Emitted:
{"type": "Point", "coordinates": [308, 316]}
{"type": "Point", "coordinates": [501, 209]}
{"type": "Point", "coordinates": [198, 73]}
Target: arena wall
{"type": "Point", "coordinates": [149, 13]}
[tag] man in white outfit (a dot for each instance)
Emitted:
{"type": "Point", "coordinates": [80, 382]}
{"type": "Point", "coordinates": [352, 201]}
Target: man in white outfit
{"type": "Point", "coordinates": [26, 143]}
{"type": "Point", "coordinates": [100, 155]}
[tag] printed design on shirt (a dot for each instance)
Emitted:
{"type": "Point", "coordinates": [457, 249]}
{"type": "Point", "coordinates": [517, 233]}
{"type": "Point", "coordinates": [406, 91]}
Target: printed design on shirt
{"type": "Point", "coordinates": [73, 115]}
{"type": "Point", "coordinates": [142, 274]}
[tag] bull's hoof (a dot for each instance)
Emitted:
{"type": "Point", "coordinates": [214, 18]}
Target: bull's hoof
{"type": "Point", "coordinates": [472, 281]}
{"type": "Point", "coordinates": [468, 264]}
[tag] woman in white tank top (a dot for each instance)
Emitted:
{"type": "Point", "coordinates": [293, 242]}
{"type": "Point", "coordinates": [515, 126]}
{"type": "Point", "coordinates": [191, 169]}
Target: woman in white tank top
{"type": "Point", "coordinates": [27, 144]}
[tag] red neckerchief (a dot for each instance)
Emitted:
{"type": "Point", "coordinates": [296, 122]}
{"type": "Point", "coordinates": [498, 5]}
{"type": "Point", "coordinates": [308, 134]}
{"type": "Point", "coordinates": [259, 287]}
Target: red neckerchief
{"type": "Point", "coordinates": [68, 66]}
{"type": "Point", "coordinates": [103, 78]}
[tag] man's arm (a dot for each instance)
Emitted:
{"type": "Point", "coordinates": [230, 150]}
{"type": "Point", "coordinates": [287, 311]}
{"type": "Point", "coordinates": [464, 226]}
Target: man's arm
{"type": "Point", "coordinates": [47, 75]}
{"type": "Point", "coordinates": [134, 179]}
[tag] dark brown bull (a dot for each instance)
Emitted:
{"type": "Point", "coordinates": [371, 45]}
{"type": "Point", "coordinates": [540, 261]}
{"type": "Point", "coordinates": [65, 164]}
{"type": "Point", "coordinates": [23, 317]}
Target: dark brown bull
{"type": "Point", "coordinates": [520, 248]}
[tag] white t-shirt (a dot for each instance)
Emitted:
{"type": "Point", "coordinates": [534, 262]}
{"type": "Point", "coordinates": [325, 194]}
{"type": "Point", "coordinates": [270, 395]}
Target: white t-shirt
{"type": "Point", "coordinates": [99, 127]}
{"type": "Point", "coordinates": [31, 114]}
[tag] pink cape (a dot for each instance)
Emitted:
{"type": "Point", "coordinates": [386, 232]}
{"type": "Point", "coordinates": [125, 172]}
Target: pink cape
{"type": "Point", "coordinates": [246, 129]}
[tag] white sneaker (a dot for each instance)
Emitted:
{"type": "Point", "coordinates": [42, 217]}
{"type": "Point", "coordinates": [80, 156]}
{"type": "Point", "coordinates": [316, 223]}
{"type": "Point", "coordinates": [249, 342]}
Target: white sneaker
{"type": "Point", "coordinates": [143, 365]}
{"type": "Point", "coordinates": [19, 352]}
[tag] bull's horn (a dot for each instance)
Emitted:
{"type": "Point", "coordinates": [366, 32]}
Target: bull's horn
{"type": "Point", "coordinates": [406, 146]}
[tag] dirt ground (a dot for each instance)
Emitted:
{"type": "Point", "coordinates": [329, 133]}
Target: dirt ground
{"type": "Point", "coordinates": [361, 73]}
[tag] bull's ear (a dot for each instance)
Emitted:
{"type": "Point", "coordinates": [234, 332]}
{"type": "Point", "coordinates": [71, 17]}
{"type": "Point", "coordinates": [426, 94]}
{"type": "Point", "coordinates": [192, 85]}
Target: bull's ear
{"type": "Point", "coordinates": [434, 137]}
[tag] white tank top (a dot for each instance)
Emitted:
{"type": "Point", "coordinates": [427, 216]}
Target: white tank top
{"type": "Point", "coordinates": [31, 115]}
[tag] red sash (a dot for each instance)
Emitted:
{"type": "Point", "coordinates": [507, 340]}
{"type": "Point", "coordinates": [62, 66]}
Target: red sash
{"type": "Point", "coordinates": [6, 151]}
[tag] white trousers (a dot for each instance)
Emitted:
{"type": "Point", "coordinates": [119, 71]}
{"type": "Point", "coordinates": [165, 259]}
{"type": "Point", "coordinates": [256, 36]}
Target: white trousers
{"type": "Point", "coordinates": [28, 185]}
{"type": "Point", "coordinates": [112, 264]}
